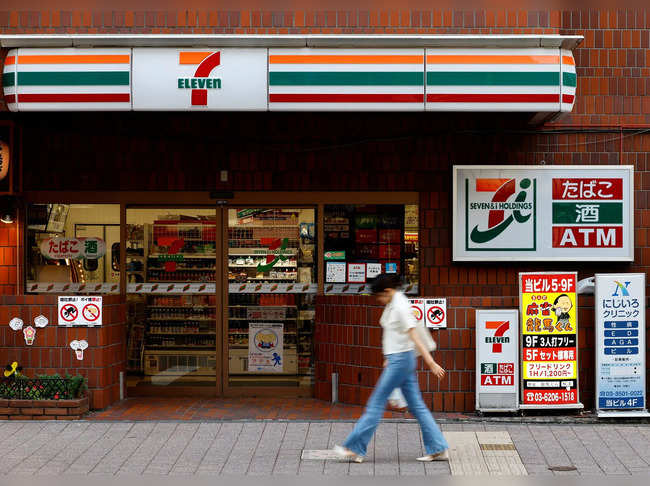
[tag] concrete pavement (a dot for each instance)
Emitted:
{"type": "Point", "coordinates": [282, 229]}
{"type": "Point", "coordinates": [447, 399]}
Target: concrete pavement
{"type": "Point", "coordinates": [262, 448]}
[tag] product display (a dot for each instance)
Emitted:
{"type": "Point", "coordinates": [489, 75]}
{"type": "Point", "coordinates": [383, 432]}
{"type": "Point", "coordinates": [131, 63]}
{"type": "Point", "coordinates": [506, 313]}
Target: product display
{"type": "Point", "coordinates": [271, 246]}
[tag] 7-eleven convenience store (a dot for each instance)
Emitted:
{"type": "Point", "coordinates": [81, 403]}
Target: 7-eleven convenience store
{"type": "Point", "coordinates": [247, 189]}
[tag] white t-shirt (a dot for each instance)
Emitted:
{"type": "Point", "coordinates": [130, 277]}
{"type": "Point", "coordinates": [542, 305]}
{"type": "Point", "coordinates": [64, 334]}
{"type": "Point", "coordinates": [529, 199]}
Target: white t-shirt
{"type": "Point", "coordinates": [396, 321]}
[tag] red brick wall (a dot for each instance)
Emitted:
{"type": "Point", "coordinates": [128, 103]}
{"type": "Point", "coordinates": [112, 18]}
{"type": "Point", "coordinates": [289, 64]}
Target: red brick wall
{"type": "Point", "coordinates": [8, 258]}
{"type": "Point", "coordinates": [348, 342]}
{"type": "Point", "coordinates": [51, 353]}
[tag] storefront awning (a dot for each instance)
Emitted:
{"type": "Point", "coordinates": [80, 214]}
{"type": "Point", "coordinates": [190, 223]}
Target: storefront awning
{"type": "Point", "coordinates": [500, 73]}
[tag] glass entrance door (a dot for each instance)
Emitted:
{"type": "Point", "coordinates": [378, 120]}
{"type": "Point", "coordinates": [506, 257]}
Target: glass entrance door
{"type": "Point", "coordinates": [271, 290]}
{"type": "Point", "coordinates": [172, 286]}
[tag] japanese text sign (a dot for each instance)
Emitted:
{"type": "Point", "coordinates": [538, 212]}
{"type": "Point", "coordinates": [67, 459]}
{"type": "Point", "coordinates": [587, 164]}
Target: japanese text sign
{"type": "Point", "coordinates": [265, 347]}
{"type": "Point", "coordinates": [528, 213]}
{"type": "Point", "coordinates": [435, 313]}
{"type": "Point", "coordinates": [620, 341]}
{"type": "Point", "coordinates": [73, 248]}
{"type": "Point", "coordinates": [80, 311]}
{"type": "Point", "coordinates": [549, 330]}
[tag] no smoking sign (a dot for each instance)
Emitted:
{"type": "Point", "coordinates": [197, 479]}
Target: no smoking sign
{"type": "Point", "coordinates": [80, 311]}
{"type": "Point", "coordinates": [435, 311]}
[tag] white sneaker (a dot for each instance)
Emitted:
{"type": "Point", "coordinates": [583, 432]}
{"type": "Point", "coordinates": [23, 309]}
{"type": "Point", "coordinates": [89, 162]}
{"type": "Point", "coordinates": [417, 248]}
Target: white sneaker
{"type": "Point", "coordinates": [440, 456]}
{"type": "Point", "coordinates": [347, 454]}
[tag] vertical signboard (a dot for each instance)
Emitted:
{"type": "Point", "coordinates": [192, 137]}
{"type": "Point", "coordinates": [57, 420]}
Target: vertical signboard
{"type": "Point", "coordinates": [549, 344]}
{"type": "Point", "coordinates": [497, 360]}
{"type": "Point", "coordinates": [620, 344]}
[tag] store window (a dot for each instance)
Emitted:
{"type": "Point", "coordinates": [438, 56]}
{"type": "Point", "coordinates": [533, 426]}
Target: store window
{"type": "Point", "coordinates": [72, 248]}
{"type": "Point", "coordinates": [170, 267]}
{"type": "Point", "coordinates": [362, 241]}
{"type": "Point", "coordinates": [272, 275]}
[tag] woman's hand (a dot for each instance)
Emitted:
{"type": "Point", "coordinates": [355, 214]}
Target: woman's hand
{"type": "Point", "coordinates": [385, 363]}
{"type": "Point", "coordinates": [437, 370]}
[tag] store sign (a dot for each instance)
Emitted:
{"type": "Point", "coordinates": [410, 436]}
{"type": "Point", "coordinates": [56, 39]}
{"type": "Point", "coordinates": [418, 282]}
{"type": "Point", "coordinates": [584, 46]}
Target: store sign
{"type": "Point", "coordinates": [334, 255]}
{"type": "Point", "coordinates": [525, 213]}
{"type": "Point", "coordinates": [265, 347]}
{"type": "Point", "coordinates": [549, 330]}
{"type": "Point", "coordinates": [620, 342]}
{"type": "Point", "coordinates": [282, 79]}
{"type": "Point", "coordinates": [497, 359]}
{"type": "Point", "coordinates": [356, 272]}
{"type": "Point", "coordinates": [199, 79]}
{"type": "Point", "coordinates": [80, 311]}
{"type": "Point", "coordinates": [335, 272]}
{"type": "Point", "coordinates": [73, 248]}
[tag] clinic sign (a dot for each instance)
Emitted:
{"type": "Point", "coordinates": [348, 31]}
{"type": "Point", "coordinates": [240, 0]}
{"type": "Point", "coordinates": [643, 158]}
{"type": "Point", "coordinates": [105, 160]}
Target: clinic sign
{"type": "Point", "coordinates": [620, 342]}
{"type": "Point", "coordinates": [549, 340]}
{"type": "Point", "coordinates": [537, 213]}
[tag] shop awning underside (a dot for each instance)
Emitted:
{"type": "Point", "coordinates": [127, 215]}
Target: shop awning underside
{"type": "Point", "coordinates": [122, 72]}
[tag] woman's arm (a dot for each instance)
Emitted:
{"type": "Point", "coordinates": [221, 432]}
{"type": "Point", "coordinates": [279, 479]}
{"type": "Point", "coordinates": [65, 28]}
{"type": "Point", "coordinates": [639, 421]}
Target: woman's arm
{"type": "Point", "coordinates": [435, 368]}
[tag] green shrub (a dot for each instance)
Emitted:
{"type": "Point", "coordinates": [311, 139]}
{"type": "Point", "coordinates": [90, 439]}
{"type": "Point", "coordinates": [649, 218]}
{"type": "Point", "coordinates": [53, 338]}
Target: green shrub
{"type": "Point", "coordinates": [43, 387]}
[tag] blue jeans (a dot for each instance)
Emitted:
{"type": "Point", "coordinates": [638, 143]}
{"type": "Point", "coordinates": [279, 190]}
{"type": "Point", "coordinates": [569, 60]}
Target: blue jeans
{"type": "Point", "coordinates": [399, 373]}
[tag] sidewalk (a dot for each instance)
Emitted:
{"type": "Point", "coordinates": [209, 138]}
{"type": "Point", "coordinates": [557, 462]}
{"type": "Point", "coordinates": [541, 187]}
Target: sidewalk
{"type": "Point", "coordinates": [280, 448]}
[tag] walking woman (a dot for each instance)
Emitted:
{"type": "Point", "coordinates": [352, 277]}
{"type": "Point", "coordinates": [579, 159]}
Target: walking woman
{"type": "Point", "coordinates": [399, 341]}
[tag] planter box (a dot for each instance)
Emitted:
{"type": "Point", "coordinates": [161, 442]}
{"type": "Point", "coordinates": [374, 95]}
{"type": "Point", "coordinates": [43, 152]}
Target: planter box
{"type": "Point", "coordinates": [43, 409]}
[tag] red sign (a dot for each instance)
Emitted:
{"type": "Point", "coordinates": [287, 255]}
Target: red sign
{"type": "Point", "coordinates": [497, 380]}
{"type": "Point", "coordinates": [587, 237]}
{"type": "Point", "coordinates": [550, 397]}
{"type": "Point", "coordinates": [549, 354]}
{"type": "Point", "coordinates": [588, 189]}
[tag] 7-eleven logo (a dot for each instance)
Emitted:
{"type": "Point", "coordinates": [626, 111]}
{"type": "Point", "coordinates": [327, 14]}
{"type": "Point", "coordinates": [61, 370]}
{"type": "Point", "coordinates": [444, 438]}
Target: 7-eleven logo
{"type": "Point", "coordinates": [508, 204]}
{"type": "Point", "coordinates": [201, 82]}
{"type": "Point", "coordinates": [498, 340]}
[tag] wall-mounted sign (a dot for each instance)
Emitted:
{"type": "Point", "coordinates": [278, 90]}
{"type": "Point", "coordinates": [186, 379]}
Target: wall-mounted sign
{"type": "Point", "coordinates": [435, 313]}
{"type": "Point", "coordinates": [549, 331]}
{"type": "Point", "coordinates": [199, 79]}
{"type": "Point", "coordinates": [301, 79]}
{"type": "Point", "coordinates": [79, 347]}
{"type": "Point", "coordinates": [80, 311]}
{"type": "Point", "coordinates": [497, 360]}
{"type": "Point", "coordinates": [4, 159]}
{"type": "Point", "coordinates": [620, 343]}
{"type": "Point", "coordinates": [73, 248]}
{"type": "Point", "coordinates": [265, 347]}
{"type": "Point", "coordinates": [526, 213]}
{"type": "Point", "coordinates": [372, 270]}
{"type": "Point", "coordinates": [417, 306]}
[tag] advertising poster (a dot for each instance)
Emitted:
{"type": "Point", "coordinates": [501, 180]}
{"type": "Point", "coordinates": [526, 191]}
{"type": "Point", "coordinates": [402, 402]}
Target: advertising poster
{"type": "Point", "coordinates": [497, 360]}
{"type": "Point", "coordinates": [335, 272]}
{"type": "Point", "coordinates": [549, 330]}
{"type": "Point", "coordinates": [265, 353]}
{"type": "Point", "coordinates": [543, 213]}
{"type": "Point", "coordinates": [620, 342]}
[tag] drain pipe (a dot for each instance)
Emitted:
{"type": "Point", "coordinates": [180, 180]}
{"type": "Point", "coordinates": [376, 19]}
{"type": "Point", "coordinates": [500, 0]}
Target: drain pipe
{"type": "Point", "coordinates": [335, 387]}
{"type": "Point", "coordinates": [121, 385]}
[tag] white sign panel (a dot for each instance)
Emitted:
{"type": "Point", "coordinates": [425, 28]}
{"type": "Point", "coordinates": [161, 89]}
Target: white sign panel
{"type": "Point", "coordinates": [435, 313]}
{"type": "Point", "coordinates": [356, 272]}
{"type": "Point", "coordinates": [543, 213]}
{"type": "Point", "coordinates": [620, 342]}
{"type": "Point", "coordinates": [417, 306]}
{"type": "Point", "coordinates": [335, 272]}
{"type": "Point", "coordinates": [265, 350]}
{"type": "Point", "coordinates": [199, 79]}
{"type": "Point", "coordinates": [497, 359]}
{"type": "Point", "coordinates": [80, 311]}
{"type": "Point", "coordinates": [373, 269]}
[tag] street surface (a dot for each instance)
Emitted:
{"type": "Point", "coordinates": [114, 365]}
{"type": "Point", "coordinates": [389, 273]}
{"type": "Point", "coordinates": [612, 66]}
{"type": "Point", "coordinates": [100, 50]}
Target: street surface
{"type": "Point", "coordinates": [262, 448]}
